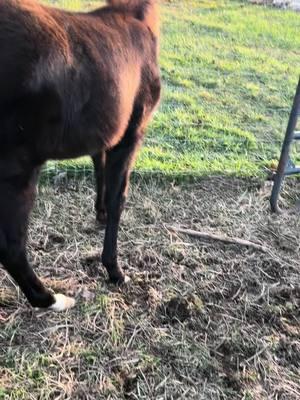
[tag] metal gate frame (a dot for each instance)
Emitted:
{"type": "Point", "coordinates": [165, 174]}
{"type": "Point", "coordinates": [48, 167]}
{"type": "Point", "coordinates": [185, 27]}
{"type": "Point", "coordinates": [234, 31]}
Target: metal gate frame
{"type": "Point", "coordinates": [286, 167]}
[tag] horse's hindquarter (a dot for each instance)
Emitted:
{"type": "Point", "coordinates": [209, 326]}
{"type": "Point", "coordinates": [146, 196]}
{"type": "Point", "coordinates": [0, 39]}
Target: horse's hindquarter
{"type": "Point", "coordinates": [81, 75]}
{"type": "Point", "coordinates": [96, 89]}
{"type": "Point", "coordinates": [112, 72]}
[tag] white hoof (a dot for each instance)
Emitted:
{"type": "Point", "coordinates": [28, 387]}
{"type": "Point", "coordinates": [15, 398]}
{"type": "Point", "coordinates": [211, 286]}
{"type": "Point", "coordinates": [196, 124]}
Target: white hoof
{"type": "Point", "coordinates": [62, 302]}
{"type": "Point", "coordinates": [127, 279]}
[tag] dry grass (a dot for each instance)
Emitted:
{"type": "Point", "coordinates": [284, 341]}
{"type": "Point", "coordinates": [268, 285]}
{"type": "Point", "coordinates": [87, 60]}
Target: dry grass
{"type": "Point", "coordinates": [198, 320]}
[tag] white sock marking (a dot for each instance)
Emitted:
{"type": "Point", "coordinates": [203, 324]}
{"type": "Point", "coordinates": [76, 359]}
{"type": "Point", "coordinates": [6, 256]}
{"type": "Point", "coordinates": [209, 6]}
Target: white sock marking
{"type": "Point", "coordinates": [127, 279]}
{"type": "Point", "coordinates": [62, 302]}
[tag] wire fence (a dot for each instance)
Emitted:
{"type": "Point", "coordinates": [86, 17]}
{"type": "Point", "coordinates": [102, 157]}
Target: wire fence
{"type": "Point", "coordinates": [198, 129]}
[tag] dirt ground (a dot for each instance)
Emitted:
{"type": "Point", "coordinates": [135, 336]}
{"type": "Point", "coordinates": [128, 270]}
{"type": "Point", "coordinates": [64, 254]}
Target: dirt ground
{"type": "Point", "coordinates": [199, 320]}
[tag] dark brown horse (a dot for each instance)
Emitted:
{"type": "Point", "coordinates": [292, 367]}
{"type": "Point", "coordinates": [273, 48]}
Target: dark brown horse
{"type": "Point", "coordinates": [71, 85]}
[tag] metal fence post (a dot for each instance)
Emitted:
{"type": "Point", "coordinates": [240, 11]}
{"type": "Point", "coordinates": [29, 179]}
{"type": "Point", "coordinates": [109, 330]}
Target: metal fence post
{"type": "Point", "coordinates": [286, 166]}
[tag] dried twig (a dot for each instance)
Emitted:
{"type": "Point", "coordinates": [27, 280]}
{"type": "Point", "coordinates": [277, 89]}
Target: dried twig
{"type": "Point", "coordinates": [220, 238]}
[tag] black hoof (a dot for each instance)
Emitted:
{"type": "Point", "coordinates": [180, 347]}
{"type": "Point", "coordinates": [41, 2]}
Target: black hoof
{"type": "Point", "coordinates": [118, 279]}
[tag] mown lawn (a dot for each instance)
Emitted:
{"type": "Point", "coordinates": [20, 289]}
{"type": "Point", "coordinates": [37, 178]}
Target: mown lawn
{"type": "Point", "coordinates": [230, 70]}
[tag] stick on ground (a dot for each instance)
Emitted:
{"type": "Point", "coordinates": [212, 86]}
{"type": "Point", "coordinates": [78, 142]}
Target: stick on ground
{"type": "Point", "coordinates": [220, 238]}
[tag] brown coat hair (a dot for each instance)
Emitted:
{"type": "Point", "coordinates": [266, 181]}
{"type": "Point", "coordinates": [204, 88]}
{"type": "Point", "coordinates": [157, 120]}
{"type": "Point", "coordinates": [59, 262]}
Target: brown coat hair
{"type": "Point", "coordinates": [71, 84]}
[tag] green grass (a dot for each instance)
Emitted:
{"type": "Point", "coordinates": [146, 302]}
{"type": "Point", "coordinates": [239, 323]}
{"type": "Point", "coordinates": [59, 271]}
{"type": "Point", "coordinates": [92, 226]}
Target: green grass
{"type": "Point", "coordinates": [229, 70]}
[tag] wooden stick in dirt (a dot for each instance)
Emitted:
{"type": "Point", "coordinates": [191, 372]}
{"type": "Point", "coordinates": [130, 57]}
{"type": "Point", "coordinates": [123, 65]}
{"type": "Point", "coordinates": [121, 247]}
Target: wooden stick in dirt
{"type": "Point", "coordinates": [220, 238]}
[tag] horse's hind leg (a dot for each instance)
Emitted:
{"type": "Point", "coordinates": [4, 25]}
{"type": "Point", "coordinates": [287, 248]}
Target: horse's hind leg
{"type": "Point", "coordinates": [16, 200]}
{"type": "Point", "coordinates": [99, 161]}
{"type": "Point", "coordinates": [15, 262]}
{"type": "Point", "coordinates": [117, 172]}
